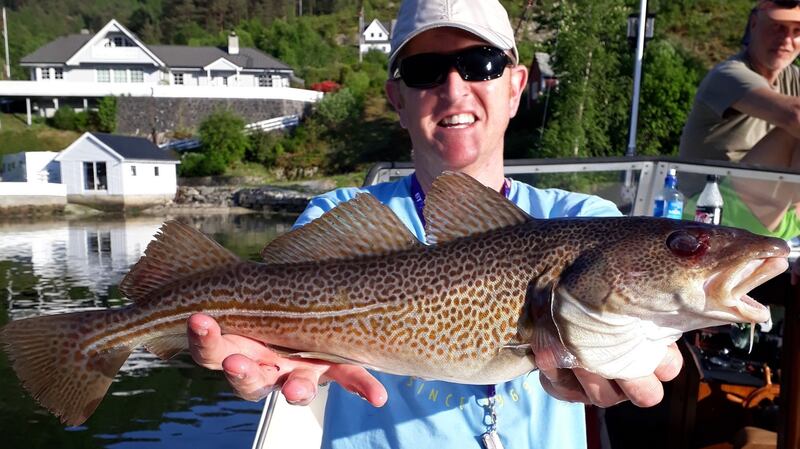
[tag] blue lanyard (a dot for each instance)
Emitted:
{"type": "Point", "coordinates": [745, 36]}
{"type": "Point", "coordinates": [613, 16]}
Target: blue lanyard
{"type": "Point", "coordinates": [418, 196]}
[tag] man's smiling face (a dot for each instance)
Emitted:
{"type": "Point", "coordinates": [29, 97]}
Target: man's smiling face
{"type": "Point", "coordinates": [458, 125]}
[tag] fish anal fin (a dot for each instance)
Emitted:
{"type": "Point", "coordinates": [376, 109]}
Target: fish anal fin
{"type": "Point", "coordinates": [177, 251]}
{"type": "Point", "coordinates": [458, 206]}
{"type": "Point", "coordinates": [50, 360]}
{"type": "Point", "coordinates": [167, 346]}
{"type": "Point", "coordinates": [362, 226]}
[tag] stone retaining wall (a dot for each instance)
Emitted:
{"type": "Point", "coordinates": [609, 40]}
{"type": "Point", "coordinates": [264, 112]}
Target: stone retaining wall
{"type": "Point", "coordinates": [142, 115]}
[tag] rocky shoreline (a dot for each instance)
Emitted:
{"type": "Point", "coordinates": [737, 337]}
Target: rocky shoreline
{"type": "Point", "coordinates": [290, 199]}
{"type": "Point", "coordinates": [204, 197]}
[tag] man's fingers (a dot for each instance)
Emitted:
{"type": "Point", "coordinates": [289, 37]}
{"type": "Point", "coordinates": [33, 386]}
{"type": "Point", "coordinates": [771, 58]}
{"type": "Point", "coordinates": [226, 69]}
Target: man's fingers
{"type": "Point", "coordinates": [300, 386]}
{"type": "Point", "coordinates": [562, 384]}
{"type": "Point", "coordinates": [359, 381]}
{"type": "Point", "coordinates": [205, 341]}
{"type": "Point", "coordinates": [644, 391]}
{"type": "Point", "coordinates": [600, 391]}
{"type": "Point", "coordinates": [671, 366]}
{"type": "Point", "coordinates": [250, 381]}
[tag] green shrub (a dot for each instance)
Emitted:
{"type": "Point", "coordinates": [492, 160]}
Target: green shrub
{"type": "Point", "coordinates": [105, 117]}
{"type": "Point", "coordinates": [264, 148]}
{"type": "Point", "coordinates": [201, 164]}
{"type": "Point", "coordinates": [223, 138]}
{"type": "Point", "coordinates": [64, 118]}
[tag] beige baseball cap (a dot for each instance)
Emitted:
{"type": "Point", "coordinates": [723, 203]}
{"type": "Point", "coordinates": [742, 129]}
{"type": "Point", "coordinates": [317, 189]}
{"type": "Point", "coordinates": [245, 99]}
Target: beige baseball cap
{"type": "Point", "coordinates": [785, 11]}
{"type": "Point", "coordinates": [486, 19]}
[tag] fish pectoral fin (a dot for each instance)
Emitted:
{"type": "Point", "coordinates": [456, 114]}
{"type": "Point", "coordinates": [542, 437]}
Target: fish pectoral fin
{"type": "Point", "coordinates": [324, 356]}
{"type": "Point", "coordinates": [168, 346]}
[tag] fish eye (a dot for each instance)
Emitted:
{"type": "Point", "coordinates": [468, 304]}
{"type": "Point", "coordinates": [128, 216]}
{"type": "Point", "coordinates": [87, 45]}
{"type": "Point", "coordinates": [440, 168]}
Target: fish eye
{"type": "Point", "coordinates": [684, 244]}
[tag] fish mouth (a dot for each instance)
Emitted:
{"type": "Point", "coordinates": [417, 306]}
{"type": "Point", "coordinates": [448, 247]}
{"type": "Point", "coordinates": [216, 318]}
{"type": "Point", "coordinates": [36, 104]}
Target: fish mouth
{"type": "Point", "coordinates": [730, 288]}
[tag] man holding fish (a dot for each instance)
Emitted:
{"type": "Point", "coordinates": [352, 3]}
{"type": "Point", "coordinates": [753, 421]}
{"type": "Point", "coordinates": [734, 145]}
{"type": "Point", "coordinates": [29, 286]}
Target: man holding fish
{"type": "Point", "coordinates": [455, 82]}
{"type": "Point", "coordinates": [504, 286]}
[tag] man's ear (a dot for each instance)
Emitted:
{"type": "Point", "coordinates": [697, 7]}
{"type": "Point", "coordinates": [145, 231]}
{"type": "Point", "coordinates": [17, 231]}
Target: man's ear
{"type": "Point", "coordinates": [395, 97]}
{"type": "Point", "coordinates": [519, 79]}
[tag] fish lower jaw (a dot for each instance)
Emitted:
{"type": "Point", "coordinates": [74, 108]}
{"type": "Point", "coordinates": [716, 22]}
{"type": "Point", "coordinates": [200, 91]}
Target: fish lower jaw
{"type": "Point", "coordinates": [751, 310]}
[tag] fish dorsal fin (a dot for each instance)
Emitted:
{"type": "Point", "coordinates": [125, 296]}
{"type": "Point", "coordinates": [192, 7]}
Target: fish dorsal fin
{"type": "Point", "coordinates": [458, 206]}
{"type": "Point", "coordinates": [178, 251]}
{"type": "Point", "coordinates": [362, 226]}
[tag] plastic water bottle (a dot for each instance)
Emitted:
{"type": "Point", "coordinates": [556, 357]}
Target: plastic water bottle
{"type": "Point", "coordinates": [709, 203]}
{"type": "Point", "coordinates": [669, 202]}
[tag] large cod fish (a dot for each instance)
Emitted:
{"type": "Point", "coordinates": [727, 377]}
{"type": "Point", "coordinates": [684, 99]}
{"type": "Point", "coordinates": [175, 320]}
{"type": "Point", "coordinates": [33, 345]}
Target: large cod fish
{"type": "Point", "coordinates": [606, 294]}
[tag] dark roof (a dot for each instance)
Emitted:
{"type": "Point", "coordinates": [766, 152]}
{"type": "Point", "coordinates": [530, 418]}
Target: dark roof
{"type": "Point", "coordinates": [135, 147]}
{"type": "Point", "coordinates": [57, 51]}
{"type": "Point", "coordinates": [182, 56]}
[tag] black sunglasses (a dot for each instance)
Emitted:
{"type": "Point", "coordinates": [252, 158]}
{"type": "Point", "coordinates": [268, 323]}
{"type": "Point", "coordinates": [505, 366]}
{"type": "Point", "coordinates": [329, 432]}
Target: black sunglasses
{"type": "Point", "coordinates": [427, 70]}
{"type": "Point", "coordinates": [786, 3]}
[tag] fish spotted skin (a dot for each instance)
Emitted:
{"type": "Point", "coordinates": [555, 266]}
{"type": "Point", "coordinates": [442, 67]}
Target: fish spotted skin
{"type": "Point", "coordinates": [355, 286]}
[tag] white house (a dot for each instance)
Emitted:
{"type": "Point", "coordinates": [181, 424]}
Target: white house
{"type": "Point", "coordinates": [115, 171]}
{"type": "Point", "coordinates": [376, 36]}
{"type": "Point", "coordinates": [115, 55]}
{"type": "Point", "coordinates": [31, 182]}
{"type": "Point", "coordinates": [114, 61]}
{"type": "Point", "coordinates": [30, 166]}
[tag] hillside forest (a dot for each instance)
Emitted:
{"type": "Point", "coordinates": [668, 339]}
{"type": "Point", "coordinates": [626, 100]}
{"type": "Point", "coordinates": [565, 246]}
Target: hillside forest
{"type": "Point", "coordinates": [586, 115]}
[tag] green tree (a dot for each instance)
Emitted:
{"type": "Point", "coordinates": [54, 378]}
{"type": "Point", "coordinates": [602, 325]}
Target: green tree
{"type": "Point", "coordinates": [668, 86]}
{"type": "Point", "coordinates": [589, 110]}
{"type": "Point", "coordinates": [337, 108]}
{"type": "Point", "coordinates": [222, 137]}
{"type": "Point", "coordinates": [106, 115]}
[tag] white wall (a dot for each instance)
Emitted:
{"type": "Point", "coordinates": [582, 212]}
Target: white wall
{"type": "Point", "coordinates": [87, 151]}
{"type": "Point", "coordinates": [38, 165]}
{"type": "Point", "coordinates": [146, 182]}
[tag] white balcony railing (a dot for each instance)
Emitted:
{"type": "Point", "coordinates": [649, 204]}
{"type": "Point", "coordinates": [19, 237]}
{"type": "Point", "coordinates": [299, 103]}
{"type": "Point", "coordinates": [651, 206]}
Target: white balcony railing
{"type": "Point", "coordinates": [64, 89]}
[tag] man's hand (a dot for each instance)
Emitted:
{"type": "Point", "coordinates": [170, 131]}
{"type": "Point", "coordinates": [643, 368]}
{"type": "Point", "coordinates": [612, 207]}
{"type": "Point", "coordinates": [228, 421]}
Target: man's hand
{"type": "Point", "coordinates": [579, 385]}
{"type": "Point", "coordinates": [253, 370]}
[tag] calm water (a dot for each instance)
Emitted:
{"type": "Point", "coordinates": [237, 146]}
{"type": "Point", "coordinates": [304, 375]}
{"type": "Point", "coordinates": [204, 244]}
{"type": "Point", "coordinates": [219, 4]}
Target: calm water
{"type": "Point", "coordinates": [58, 266]}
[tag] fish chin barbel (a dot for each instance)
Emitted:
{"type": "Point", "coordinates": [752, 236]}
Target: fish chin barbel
{"type": "Point", "coordinates": [355, 286]}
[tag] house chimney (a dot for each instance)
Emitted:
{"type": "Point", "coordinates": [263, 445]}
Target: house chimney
{"type": "Point", "coordinates": [233, 43]}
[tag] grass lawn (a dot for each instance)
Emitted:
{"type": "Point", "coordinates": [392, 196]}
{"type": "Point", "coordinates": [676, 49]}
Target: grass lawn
{"type": "Point", "coordinates": [17, 136]}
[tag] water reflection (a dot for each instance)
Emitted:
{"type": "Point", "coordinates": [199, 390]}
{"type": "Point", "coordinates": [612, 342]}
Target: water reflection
{"type": "Point", "coordinates": [50, 267]}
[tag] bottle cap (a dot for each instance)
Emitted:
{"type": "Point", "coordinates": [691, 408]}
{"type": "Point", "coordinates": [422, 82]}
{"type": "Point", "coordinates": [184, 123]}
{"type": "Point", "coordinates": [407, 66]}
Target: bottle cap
{"type": "Point", "coordinates": [712, 178]}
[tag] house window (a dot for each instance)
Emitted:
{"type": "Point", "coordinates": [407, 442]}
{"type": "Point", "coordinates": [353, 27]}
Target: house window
{"type": "Point", "coordinates": [58, 73]}
{"type": "Point", "coordinates": [133, 170]}
{"type": "Point", "coordinates": [118, 41]}
{"type": "Point", "coordinates": [98, 242]}
{"type": "Point", "coordinates": [94, 176]}
{"type": "Point", "coordinates": [264, 81]}
{"type": "Point", "coordinates": [45, 73]}
{"type": "Point", "coordinates": [120, 76]}
{"type": "Point", "coordinates": [103, 76]}
{"type": "Point", "coordinates": [137, 76]}
{"type": "Point", "coordinates": [177, 78]}
{"type": "Point", "coordinates": [155, 170]}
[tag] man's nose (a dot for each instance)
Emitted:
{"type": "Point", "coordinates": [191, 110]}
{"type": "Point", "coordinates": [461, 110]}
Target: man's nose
{"type": "Point", "coordinates": [454, 85]}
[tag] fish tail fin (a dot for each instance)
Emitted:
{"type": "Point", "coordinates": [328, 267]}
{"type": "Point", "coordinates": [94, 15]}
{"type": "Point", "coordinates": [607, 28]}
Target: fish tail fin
{"type": "Point", "coordinates": [57, 367]}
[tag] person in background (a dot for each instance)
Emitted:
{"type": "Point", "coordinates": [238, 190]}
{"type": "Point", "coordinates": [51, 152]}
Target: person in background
{"type": "Point", "coordinates": [455, 82]}
{"type": "Point", "coordinates": [747, 109]}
